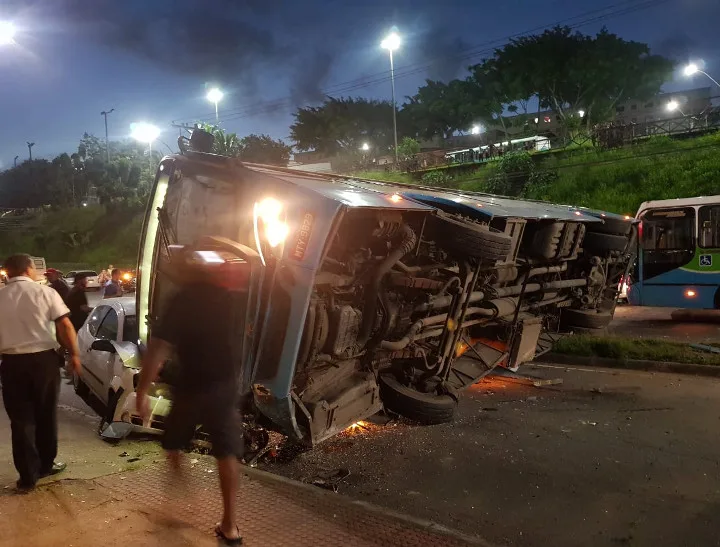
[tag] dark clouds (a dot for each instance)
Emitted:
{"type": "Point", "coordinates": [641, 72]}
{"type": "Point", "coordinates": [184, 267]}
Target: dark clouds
{"type": "Point", "coordinates": [444, 53]}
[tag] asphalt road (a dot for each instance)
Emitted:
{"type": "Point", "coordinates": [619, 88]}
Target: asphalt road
{"type": "Point", "coordinates": [643, 322]}
{"type": "Point", "coordinates": [606, 458]}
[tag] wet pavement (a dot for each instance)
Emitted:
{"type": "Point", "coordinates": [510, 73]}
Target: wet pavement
{"type": "Point", "coordinates": [606, 458]}
{"type": "Point", "coordinates": [644, 322]}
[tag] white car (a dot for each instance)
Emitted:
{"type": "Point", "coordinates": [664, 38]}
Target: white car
{"type": "Point", "coordinates": [110, 366]}
{"type": "Point", "coordinates": [93, 281]}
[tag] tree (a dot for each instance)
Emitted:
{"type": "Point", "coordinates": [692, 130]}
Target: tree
{"type": "Point", "coordinates": [569, 71]}
{"type": "Point", "coordinates": [263, 149]}
{"type": "Point", "coordinates": [408, 148]}
{"type": "Point", "coordinates": [343, 125]}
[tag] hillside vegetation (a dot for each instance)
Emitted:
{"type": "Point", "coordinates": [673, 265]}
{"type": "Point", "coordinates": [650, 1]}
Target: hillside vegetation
{"type": "Point", "coordinates": [612, 180]}
{"type": "Point", "coordinates": [86, 237]}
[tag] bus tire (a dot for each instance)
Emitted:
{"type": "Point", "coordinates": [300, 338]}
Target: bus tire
{"type": "Point", "coordinates": [588, 319]}
{"type": "Point", "coordinates": [466, 238]}
{"type": "Point", "coordinates": [425, 408]}
{"type": "Point", "coordinates": [611, 225]}
{"type": "Point", "coordinates": [604, 243]}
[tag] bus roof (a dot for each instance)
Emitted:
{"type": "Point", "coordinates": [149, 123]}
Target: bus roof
{"type": "Point", "coordinates": [678, 202]}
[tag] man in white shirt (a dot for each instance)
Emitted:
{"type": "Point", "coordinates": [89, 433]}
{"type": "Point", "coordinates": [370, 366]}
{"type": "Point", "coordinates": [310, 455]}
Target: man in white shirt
{"type": "Point", "coordinates": [33, 319]}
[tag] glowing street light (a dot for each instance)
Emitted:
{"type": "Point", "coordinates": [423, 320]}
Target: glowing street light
{"type": "Point", "coordinates": [365, 147]}
{"type": "Point", "coordinates": [145, 132]}
{"type": "Point", "coordinates": [391, 43]}
{"type": "Point", "coordinates": [692, 69]}
{"type": "Point", "coordinates": [581, 113]}
{"type": "Point", "coordinates": [673, 105]}
{"type": "Point", "coordinates": [214, 95]}
{"type": "Point", "coordinates": [475, 130]}
{"type": "Point", "coordinates": [7, 33]}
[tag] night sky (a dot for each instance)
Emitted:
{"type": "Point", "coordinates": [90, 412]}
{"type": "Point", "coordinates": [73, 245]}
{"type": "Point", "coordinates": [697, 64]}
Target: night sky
{"type": "Point", "coordinates": [151, 59]}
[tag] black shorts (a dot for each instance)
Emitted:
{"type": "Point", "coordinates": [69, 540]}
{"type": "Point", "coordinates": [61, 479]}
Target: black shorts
{"type": "Point", "coordinates": [216, 410]}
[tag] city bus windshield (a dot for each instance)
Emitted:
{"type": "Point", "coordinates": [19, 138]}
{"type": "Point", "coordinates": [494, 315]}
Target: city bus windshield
{"type": "Point", "coordinates": [668, 239]}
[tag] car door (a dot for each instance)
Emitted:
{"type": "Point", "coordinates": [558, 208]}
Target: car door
{"type": "Point", "coordinates": [104, 361]}
{"type": "Point", "coordinates": [86, 336]}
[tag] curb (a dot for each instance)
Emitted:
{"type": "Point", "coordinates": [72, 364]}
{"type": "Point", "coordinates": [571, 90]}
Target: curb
{"type": "Point", "coordinates": [631, 364]}
{"type": "Point", "coordinates": [266, 476]}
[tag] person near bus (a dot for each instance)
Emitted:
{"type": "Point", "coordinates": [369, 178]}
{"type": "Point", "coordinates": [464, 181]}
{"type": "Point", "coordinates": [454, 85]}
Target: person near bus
{"type": "Point", "coordinates": [113, 288]}
{"type": "Point", "coordinates": [56, 281]}
{"type": "Point", "coordinates": [196, 324]}
{"type": "Point", "coordinates": [77, 301]}
{"type": "Point", "coordinates": [33, 321]}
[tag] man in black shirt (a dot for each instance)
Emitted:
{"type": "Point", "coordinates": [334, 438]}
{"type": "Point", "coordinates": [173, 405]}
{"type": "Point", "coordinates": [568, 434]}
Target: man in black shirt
{"type": "Point", "coordinates": [56, 281]}
{"type": "Point", "coordinates": [197, 324]}
{"type": "Point", "coordinates": [77, 302]}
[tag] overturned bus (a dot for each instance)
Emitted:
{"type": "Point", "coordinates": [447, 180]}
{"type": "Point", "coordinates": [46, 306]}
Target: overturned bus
{"type": "Point", "coordinates": [359, 295]}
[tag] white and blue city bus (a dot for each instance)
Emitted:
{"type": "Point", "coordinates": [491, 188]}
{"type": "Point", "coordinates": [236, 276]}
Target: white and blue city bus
{"type": "Point", "coordinates": [678, 262]}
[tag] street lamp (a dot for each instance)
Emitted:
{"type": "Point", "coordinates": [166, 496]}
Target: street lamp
{"type": "Point", "coordinates": [475, 130]}
{"type": "Point", "coordinates": [214, 95]}
{"type": "Point", "coordinates": [391, 43]}
{"type": "Point", "coordinates": [145, 132]}
{"type": "Point", "coordinates": [365, 147]}
{"type": "Point", "coordinates": [692, 69]}
{"type": "Point", "coordinates": [7, 33]}
{"type": "Point", "coordinates": [673, 105]}
{"type": "Point", "coordinates": [105, 113]}
{"type": "Point", "coordinates": [581, 113]}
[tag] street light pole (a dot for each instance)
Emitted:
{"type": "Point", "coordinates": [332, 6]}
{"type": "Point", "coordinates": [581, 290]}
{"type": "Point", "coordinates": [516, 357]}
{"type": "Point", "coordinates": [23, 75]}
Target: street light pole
{"type": "Point", "coordinates": [15, 161]}
{"type": "Point", "coordinates": [30, 145]}
{"type": "Point", "coordinates": [214, 95]}
{"type": "Point", "coordinates": [391, 43]}
{"type": "Point", "coordinates": [392, 83]}
{"type": "Point", "coordinates": [692, 68]}
{"type": "Point", "coordinates": [107, 142]}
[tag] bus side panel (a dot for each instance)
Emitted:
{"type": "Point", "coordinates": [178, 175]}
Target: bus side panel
{"type": "Point", "coordinates": [690, 286]}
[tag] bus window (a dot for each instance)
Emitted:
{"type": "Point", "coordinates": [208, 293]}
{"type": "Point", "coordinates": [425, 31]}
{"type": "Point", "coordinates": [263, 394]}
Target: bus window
{"type": "Point", "coordinates": [668, 240]}
{"type": "Point", "coordinates": [709, 227]}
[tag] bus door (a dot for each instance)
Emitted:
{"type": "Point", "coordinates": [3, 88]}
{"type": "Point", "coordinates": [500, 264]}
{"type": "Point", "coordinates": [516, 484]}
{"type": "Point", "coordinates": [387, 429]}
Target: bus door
{"type": "Point", "coordinates": [667, 248]}
{"type": "Point", "coordinates": [708, 260]}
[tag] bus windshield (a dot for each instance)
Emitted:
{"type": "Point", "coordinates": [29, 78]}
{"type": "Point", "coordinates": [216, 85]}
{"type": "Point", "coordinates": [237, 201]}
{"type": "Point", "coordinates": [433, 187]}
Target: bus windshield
{"type": "Point", "coordinates": [668, 239]}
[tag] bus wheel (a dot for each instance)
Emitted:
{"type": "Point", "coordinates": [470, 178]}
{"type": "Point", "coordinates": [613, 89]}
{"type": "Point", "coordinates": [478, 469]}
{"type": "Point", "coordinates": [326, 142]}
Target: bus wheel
{"type": "Point", "coordinates": [612, 225]}
{"type": "Point", "coordinates": [604, 243]}
{"type": "Point", "coordinates": [589, 319]}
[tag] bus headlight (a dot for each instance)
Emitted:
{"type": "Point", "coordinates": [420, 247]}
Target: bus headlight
{"type": "Point", "coordinates": [270, 212]}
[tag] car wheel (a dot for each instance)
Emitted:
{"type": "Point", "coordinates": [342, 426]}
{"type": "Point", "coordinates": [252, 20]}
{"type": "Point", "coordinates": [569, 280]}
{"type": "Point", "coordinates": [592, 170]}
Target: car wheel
{"type": "Point", "coordinates": [80, 387]}
{"type": "Point", "coordinates": [426, 408]}
{"type": "Point", "coordinates": [604, 243]}
{"type": "Point", "coordinates": [589, 319]}
{"type": "Point", "coordinates": [470, 239]}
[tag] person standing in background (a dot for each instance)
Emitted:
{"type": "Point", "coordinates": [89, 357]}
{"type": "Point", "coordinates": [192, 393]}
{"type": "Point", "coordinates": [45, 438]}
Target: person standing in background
{"type": "Point", "coordinates": [29, 371]}
{"type": "Point", "coordinates": [56, 281]}
{"type": "Point", "coordinates": [77, 302]}
{"type": "Point", "coordinates": [113, 287]}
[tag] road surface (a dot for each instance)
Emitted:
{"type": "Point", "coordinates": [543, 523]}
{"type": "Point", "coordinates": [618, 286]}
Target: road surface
{"type": "Point", "coordinates": [608, 458]}
{"type": "Point", "coordinates": [644, 322]}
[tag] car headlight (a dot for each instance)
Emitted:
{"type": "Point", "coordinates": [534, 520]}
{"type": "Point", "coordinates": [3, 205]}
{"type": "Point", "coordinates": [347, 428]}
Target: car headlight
{"type": "Point", "coordinates": [270, 213]}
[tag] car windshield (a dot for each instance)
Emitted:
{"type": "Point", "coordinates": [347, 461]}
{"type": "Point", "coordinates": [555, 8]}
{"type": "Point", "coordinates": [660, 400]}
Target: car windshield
{"type": "Point", "coordinates": [130, 330]}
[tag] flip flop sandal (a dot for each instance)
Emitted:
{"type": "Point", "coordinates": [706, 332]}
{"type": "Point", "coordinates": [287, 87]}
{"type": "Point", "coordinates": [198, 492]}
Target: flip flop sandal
{"type": "Point", "coordinates": [226, 540]}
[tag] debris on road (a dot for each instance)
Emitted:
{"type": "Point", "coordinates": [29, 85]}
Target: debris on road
{"type": "Point", "coordinates": [331, 480]}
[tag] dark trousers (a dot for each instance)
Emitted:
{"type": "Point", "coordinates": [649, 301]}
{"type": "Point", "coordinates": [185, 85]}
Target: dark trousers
{"type": "Point", "coordinates": [30, 389]}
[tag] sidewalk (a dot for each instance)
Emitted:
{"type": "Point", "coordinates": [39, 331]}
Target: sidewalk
{"type": "Point", "coordinates": [134, 507]}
